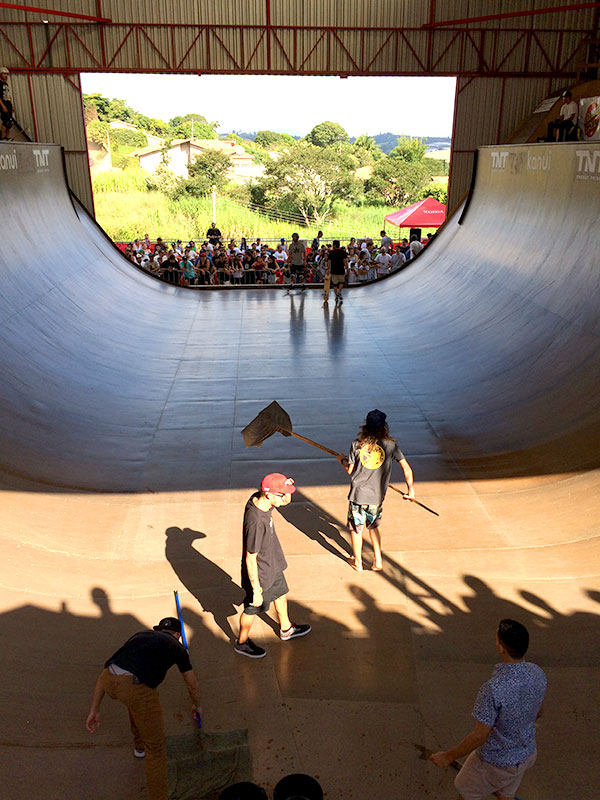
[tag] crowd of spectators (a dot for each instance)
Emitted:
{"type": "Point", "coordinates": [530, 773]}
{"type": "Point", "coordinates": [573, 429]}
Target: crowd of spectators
{"type": "Point", "coordinates": [213, 263]}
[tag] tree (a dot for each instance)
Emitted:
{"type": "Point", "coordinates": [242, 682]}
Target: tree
{"type": "Point", "coordinates": [306, 180]}
{"type": "Point", "coordinates": [123, 137]}
{"type": "Point", "coordinates": [150, 124]}
{"type": "Point", "coordinates": [396, 182]}
{"type": "Point", "coordinates": [206, 170]}
{"type": "Point", "coordinates": [435, 189]}
{"type": "Point", "coordinates": [366, 150]}
{"type": "Point", "coordinates": [267, 139]}
{"type": "Point", "coordinates": [408, 149]}
{"type": "Point", "coordinates": [196, 124]}
{"type": "Point", "coordinates": [327, 133]}
{"type": "Point", "coordinates": [97, 131]}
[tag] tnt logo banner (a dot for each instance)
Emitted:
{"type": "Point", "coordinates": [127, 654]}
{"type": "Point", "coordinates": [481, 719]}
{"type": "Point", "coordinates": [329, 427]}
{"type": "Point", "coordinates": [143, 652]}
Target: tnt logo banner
{"type": "Point", "coordinates": [41, 159]}
{"type": "Point", "coordinates": [588, 164]}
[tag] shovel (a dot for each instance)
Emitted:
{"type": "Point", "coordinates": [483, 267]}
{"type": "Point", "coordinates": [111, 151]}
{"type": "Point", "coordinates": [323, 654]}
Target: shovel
{"type": "Point", "coordinates": [274, 419]}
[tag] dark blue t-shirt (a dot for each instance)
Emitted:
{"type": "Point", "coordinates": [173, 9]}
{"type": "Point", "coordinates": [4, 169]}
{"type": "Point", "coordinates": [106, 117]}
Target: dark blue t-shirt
{"type": "Point", "coordinates": [149, 654]}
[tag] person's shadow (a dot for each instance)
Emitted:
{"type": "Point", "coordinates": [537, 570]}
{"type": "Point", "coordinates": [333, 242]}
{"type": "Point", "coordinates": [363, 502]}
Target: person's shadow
{"type": "Point", "coordinates": [315, 523]}
{"type": "Point", "coordinates": [211, 586]}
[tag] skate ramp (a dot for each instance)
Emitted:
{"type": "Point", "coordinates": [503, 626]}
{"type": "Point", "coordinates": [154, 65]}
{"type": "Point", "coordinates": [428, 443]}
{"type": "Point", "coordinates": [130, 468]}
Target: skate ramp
{"type": "Point", "coordinates": [490, 337]}
{"type": "Point", "coordinates": [124, 476]}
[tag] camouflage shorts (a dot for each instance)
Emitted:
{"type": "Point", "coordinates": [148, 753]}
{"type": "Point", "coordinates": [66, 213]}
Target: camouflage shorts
{"type": "Point", "coordinates": [358, 515]}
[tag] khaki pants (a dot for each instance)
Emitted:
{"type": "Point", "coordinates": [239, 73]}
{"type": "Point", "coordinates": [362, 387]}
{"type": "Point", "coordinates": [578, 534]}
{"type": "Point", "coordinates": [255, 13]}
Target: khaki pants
{"type": "Point", "coordinates": [145, 718]}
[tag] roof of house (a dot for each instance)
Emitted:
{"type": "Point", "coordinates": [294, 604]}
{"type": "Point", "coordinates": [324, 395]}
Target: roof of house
{"type": "Point", "coordinates": [202, 144]}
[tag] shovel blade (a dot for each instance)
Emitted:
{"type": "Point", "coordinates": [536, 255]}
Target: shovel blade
{"type": "Point", "coordinates": [272, 419]}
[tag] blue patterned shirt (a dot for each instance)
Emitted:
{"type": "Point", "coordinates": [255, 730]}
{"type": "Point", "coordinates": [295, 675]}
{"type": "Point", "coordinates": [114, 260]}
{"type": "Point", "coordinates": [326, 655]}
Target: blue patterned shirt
{"type": "Point", "coordinates": [510, 701]}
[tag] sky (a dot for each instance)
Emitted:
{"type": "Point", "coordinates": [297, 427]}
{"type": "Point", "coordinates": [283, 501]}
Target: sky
{"type": "Point", "coordinates": [289, 104]}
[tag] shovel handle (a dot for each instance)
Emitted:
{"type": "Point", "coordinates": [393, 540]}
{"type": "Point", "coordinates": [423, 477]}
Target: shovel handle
{"type": "Point", "coordinates": [315, 444]}
{"type": "Point", "coordinates": [412, 500]}
{"type": "Point", "coordinates": [337, 455]}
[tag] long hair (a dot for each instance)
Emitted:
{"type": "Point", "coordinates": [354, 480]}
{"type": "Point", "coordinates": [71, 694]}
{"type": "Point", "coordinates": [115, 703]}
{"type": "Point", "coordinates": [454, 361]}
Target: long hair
{"type": "Point", "coordinates": [370, 435]}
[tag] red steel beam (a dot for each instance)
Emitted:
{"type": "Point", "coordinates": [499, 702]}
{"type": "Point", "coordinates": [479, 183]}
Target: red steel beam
{"type": "Point", "coordinates": [21, 7]}
{"type": "Point", "coordinates": [512, 14]}
{"type": "Point", "coordinates": [313, 28]}
{"type": "Point", "coordinates": [461, 37]}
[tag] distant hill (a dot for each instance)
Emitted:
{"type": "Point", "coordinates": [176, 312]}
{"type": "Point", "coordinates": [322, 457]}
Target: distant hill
{"type": "Point", "coordinates": [385, 141]}
{"type": "Point", "coordinates": [252, 136]}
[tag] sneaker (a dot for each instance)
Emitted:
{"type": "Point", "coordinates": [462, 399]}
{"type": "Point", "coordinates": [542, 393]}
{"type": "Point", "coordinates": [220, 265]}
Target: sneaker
{"type": "Point", "coordinates": [139, 753]}
{"type": "Point", "coordinates": [294, 631]}
{"type": "Point", "coordinates": [250, 649]}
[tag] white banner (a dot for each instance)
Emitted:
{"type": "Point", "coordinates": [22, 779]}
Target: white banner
{"type": "Point", "coordinates": [589, 118]}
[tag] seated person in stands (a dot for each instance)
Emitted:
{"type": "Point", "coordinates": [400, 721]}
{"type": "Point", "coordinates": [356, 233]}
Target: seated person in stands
{"type": "Point", "coordinates": [237, 270]}
{"type": "Point", "coordinates": [563, 128]}
{"type": "Point", "coordinates": [187, 268]}
{"type": "Point", "coordinates": [6, 107]}
{"type": "Point", "coordinates": [170, 270]}
{"type": "Point", "coordinates": [363, 266]}
{"type": "Point", "coordinates": [280, 256]}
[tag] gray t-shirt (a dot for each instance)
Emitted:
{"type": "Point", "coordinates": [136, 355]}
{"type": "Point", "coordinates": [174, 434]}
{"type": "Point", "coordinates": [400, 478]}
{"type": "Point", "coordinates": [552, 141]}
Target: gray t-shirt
{"type": "Point", "coordinates": [297, 253]}
{"type": "Point", "coordinates": [372, 469]}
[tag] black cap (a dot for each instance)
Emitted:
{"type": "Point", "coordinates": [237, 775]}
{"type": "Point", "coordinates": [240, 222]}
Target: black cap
{"type": "Point", "coordinates": [376, 418]}
{"type": "Point", "coordinates": [169, 624]}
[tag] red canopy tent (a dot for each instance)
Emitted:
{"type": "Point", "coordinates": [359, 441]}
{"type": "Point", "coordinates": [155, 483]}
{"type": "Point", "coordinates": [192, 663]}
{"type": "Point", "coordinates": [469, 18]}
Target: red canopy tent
{"type": "Point", "coordinates": [428, 213]}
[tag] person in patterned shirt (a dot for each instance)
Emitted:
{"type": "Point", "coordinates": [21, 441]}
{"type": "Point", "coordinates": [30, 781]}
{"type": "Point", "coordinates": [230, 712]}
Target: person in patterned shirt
{"type": "Point", "coordinates": [369, 465]}
{"type": "Point", "coordinates": [502, 745]}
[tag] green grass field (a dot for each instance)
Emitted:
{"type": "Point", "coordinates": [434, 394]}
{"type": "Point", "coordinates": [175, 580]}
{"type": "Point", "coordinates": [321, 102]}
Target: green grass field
{"type": "Point", "coordinates": [126, 210]}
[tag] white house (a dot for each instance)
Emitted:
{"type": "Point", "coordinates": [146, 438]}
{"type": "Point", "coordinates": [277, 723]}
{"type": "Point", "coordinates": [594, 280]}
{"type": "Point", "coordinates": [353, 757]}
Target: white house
{"type": "Point", "coordinates": [183, 151]}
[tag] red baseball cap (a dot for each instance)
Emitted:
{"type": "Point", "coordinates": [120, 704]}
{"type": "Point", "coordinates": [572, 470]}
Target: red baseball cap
{"type": "Point", "coordinates": [276, 483]}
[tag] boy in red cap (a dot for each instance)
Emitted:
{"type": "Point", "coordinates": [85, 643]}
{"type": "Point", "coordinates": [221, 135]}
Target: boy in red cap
{"type": "Point", "coordinates": [263, 564]}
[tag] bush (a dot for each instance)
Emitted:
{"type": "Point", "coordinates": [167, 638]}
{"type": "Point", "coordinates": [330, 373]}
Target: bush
{"type": "Point", "coordinates": [122, 137]}
{"type": "Point", "coordinates": [97, 132]}
{"type": "Point", "coordinates": [437, 190]}
{"type": "Point", "coordinates": [163, 180]}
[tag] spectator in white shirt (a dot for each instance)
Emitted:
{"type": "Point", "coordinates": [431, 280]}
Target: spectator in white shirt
{"type": "Point", "coordinates": [383, 260]}
{"type": "Point", "coordinates": [562, 128]}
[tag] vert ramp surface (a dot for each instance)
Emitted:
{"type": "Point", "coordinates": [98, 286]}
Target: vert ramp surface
{"type": "Point", "coordinates": [124, 476]}
{"type": "Point", "coordinates": [491, 337]}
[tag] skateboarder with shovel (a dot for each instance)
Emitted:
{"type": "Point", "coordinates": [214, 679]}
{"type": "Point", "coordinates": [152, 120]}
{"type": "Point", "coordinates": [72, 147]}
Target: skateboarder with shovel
{"type": "Point", "coordinates": [369, 465]}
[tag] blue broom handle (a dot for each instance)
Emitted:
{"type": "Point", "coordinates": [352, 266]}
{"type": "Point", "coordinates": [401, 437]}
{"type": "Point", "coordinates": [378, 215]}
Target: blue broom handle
{"type": "Point", "coordinates": [183, 636]}
{"type": "Point", "coordinates": [185, 644]}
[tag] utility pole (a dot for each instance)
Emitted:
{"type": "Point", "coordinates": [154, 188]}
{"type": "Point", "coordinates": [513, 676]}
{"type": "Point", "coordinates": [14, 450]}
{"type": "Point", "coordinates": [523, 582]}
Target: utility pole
{"type": "Point", "coordinates": [214, 202]}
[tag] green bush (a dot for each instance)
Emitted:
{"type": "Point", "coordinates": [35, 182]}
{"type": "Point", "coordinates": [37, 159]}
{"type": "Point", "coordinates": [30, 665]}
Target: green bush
{"type": "Point", "coordinates": [122, 137]}
{"type": "Point", "coordinates": [97, 131]}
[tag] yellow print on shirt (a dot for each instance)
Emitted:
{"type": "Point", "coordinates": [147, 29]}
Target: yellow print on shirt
{"type": "Point", "coordinates": [371, 457]}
